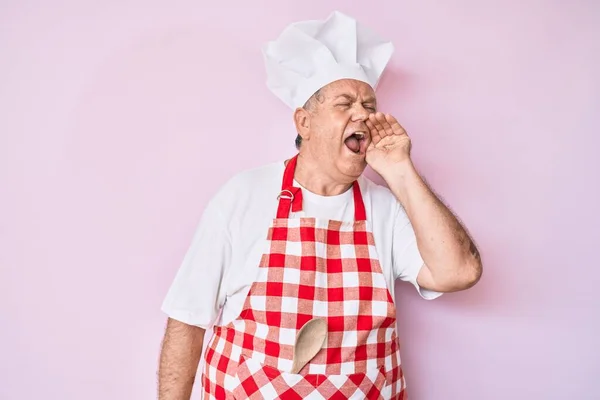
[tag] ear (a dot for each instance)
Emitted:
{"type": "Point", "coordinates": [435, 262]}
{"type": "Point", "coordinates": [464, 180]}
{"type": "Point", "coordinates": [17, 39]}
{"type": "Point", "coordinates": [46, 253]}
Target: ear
{"type": "Point", "coordinates": [302, 121]}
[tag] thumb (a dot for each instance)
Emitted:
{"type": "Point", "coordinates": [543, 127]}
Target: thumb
{"type": "Point", "coordinates": [371, 146]}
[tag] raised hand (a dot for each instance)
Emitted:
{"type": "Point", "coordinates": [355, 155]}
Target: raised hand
{"type": "Point", "coordinates": [390, 144]}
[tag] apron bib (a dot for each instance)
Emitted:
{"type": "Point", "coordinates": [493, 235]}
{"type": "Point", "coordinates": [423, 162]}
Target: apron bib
{"type": "Point", "coordinates": [312, 268]}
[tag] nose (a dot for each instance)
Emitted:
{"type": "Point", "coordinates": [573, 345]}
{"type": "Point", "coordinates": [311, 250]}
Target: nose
{"type": "Point", "coordinates": [360, 113]}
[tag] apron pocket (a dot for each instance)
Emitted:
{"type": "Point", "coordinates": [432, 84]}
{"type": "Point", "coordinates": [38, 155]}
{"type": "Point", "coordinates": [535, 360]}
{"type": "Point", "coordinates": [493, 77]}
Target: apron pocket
{"type": "Point", "coordinates": [257, 381]}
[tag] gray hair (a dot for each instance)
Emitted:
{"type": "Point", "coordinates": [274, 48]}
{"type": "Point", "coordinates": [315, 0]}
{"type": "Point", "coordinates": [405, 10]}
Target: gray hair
{"type": "Point", "coordinates": [310, 105]}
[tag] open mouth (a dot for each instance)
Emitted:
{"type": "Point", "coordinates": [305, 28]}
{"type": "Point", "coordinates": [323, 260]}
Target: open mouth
{"type": "Point", "coordinates": [356, 142]}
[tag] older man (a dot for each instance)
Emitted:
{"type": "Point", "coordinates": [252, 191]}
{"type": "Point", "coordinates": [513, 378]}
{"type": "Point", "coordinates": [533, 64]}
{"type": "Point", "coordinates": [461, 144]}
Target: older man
{"type": "Point", "coordinates": [310, 238]}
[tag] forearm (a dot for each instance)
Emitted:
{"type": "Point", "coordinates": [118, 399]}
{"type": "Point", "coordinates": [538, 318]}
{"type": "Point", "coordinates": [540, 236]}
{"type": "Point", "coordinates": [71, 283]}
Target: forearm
{"type": "Point", "coordinates": [449, 253]}
{"type": "Point", "coordinates": [179, 358]}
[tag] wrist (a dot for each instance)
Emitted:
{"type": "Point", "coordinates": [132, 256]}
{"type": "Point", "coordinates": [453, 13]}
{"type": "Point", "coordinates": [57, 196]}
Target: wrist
{"type": "Point", "coordinates": [399, 171]}
{"type": "Point", "coordinates": [400, 178]}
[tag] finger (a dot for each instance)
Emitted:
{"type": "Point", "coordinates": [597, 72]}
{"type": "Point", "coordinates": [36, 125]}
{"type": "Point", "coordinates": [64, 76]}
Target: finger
{"type": "Point", "coordinates": [387, 128]}
{"type": "Point", "coordinates": [377, 121]}
{"type": "Point", "coordinates": [375, 137]}
{"type": "Point", "coordinates": [395, 125]}
{"type": "Point", "coordinates": [378, 131]}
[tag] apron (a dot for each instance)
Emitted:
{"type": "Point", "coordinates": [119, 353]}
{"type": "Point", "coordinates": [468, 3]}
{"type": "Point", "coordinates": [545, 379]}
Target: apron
{"type": "Point", "coordinates": [310, 268]}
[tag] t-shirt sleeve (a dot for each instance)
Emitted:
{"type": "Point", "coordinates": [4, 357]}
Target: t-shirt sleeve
{"type": "Point", "coordinates": [407, 260]}
{"type": "Point", "coordinates": [197, 292]}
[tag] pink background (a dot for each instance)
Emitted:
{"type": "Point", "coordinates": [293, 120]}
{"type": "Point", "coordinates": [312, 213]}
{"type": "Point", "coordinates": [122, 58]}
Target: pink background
{"type": "Point", "coordinates": [119, 120]}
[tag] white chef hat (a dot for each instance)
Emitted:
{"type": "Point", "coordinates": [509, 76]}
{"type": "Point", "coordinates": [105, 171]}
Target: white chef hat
{"type": "Point", "coordinates": [311, 54]}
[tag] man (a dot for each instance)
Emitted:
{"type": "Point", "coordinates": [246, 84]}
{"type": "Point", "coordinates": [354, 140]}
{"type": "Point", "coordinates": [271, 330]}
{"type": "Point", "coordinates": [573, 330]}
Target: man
{"type": "Point", "coordinates": [311, 238]}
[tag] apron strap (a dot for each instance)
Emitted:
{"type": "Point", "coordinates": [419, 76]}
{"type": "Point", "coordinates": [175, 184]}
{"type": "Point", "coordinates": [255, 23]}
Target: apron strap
{"type": "Point", "coordinates": [290, 196]}
{"type": "Point", "coordinates": [360, 214]}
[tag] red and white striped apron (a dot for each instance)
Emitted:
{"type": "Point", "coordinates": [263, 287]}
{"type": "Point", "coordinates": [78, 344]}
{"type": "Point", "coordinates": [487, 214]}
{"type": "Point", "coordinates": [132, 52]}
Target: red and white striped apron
{"type": "Point", "coordinates": [311, 268]}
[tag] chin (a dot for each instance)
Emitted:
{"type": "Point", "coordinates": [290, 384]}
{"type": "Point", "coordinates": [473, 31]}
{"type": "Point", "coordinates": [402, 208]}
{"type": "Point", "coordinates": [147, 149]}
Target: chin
{"type": "Point", "coordinates": [353, 166]}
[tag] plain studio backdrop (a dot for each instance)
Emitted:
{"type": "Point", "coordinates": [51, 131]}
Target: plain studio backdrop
{"type": "Point", "coordinates": [120, 119]}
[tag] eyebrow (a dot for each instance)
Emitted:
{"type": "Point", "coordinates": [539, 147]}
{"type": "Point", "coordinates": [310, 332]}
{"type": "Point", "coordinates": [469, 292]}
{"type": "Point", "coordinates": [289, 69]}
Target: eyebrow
{"type": "Point", "coordinates": [369, 99]}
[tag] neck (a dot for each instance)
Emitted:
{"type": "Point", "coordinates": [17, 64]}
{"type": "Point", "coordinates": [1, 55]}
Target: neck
{"type": "Point", "coordinates": [313, 178]}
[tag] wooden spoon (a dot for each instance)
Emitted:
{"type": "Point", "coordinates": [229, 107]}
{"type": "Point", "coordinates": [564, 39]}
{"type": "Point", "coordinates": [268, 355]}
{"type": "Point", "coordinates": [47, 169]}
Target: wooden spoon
{"type": "Point", "coordinates": [309, 341]}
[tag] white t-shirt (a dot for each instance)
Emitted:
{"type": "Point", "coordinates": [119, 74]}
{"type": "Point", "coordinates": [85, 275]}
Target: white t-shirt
{"type": "Point", "coordinates": [223, 259]}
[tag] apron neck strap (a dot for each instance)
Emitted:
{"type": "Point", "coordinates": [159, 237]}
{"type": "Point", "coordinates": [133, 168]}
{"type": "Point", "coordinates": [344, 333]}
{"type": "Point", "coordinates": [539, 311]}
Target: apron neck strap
{"type": "Point", "coordinates": [290, 198]}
